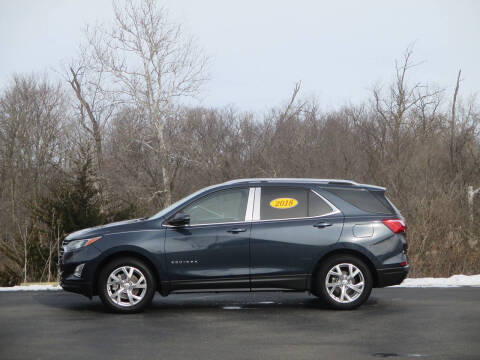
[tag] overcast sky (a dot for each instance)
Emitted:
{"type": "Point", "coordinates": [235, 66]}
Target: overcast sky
{"type": "Point", "coordinates": [260, 48]}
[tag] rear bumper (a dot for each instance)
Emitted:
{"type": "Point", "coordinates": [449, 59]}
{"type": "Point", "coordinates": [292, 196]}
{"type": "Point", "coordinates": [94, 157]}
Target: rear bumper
{"type": "Point", "coordinates": [391, 276]}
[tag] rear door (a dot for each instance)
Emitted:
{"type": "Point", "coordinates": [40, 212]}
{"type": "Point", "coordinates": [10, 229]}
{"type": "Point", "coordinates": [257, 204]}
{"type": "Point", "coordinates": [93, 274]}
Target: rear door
{"type": "Point", "coordinates": [291, 226]}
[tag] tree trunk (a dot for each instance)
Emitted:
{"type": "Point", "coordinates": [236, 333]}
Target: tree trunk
{"type": "Point", "coordinates": [452, 144]}
{"type": "Point", "coordinates": [167, 196]}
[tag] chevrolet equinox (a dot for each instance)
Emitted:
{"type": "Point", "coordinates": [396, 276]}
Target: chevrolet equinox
{"type": "Point", "coordinates": [336, 239]}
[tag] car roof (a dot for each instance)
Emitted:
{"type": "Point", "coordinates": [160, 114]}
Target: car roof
{"type": "Point", "coordinates": [328, 182]}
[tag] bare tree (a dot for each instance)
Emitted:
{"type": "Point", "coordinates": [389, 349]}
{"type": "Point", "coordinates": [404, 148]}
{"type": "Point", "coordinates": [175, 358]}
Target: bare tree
{"type": "Point", "coordinates": [32, 148]}
{"type": "Point", "coordinates": [150, 64]}
{"type": "Point", "coordinates": [392, 110]}
{"type": "Point", "coordinates": [93, 107]}
{"type": "Point", "coordinates": [291, 103]}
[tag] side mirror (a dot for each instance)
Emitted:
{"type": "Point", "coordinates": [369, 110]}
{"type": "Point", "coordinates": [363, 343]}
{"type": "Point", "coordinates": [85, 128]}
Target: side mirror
{"type": "Point", "coordinates": [179, 219]}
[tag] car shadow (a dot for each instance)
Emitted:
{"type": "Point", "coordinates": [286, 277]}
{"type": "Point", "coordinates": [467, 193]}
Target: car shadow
{"type": "Point", "coordinates": [196, 302]}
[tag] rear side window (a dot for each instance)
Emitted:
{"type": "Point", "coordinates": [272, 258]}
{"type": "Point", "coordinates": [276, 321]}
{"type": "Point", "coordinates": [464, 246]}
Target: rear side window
{"type": "Point", "coordinates": [290, 202]}
{"type": "Point", "coordinates": [317, 206]}
{"type": "Point", "coordinates": [369, 201]}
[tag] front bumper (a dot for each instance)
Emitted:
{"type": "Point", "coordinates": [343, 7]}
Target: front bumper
{"type": "Point", "coordinates": [77, 286]}
{"type": "Point", "coordinates": [391, 276]}
{"type": "Point", "coordinates": [81, 285]}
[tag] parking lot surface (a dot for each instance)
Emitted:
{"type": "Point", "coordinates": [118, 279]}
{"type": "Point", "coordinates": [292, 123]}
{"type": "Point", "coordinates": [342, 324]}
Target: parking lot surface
{"type": "Point", "coordinates": [395, 323]}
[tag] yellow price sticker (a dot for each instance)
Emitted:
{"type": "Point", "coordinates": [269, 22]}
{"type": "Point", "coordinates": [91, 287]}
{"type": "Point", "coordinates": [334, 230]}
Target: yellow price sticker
{"type": "Point", "coordinates": [283, 203]}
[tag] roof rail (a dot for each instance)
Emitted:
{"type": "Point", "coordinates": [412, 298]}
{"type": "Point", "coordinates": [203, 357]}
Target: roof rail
{"type": "Point", "coordinates": [342, 182]}
{"type": "Point", "coordinates": [306, 180]}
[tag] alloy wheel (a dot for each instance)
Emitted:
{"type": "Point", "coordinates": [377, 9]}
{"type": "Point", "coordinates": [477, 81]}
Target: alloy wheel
{"type": "Point", "coordinates": [126, 286]}
{"type": "Point", "coordinates": [345, 283]}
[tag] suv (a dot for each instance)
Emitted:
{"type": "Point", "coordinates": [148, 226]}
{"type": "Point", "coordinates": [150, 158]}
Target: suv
{"type": "Point", "coordinates": [334, 238]}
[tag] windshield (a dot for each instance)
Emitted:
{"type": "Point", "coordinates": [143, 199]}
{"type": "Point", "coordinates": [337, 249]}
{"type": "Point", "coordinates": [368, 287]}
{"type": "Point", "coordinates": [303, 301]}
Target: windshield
{"type": "Point", "coordinates": [178, 203]}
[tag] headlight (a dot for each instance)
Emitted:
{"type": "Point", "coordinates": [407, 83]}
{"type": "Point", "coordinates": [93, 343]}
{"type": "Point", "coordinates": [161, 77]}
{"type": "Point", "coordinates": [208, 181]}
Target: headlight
{"type": "Point", "coordinates": [77, 244]}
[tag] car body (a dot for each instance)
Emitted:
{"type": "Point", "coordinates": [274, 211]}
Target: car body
{"type": "Point", "coordinates": [246, 235]}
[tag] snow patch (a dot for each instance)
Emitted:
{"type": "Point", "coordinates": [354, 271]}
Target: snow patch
{"type": "Point", "coordinates": [452, 281]}
{"type": "Point", "coordinates": [32, 288]}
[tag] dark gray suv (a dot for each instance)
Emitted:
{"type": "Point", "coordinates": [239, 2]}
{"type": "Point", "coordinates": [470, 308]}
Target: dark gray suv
{"type": "Point", "coordinates": [334, 238]}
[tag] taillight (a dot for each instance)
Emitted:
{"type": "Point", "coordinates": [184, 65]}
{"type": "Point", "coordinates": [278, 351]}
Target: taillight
{"type": "Point", "coordinates": [396, 225]}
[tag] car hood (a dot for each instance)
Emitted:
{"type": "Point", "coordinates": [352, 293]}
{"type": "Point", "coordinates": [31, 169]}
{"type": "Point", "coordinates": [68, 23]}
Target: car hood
{"type": "Point", "coordinates": [119, 226]}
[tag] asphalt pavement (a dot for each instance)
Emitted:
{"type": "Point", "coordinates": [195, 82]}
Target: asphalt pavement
{"type": "Point", "coordinates": [396, 323]}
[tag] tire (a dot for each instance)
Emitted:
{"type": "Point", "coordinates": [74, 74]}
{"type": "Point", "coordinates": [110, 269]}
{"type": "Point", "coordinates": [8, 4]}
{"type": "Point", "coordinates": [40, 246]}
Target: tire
{"type": "Point", "coordinates": [126, 285]}
{"type": "Point", "coordinates": [343, 292]}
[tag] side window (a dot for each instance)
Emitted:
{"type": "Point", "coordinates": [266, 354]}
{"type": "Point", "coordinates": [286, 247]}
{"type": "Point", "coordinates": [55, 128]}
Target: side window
{"type": "Point", "coordinates": [283, 203]}
{"type": "Point", "coordinates": [220, 207]}
{"type": "Point", "coordinates": [317, 206]}
{"type": "Point", "coordinates": [369, 201]}
{"type": "Point", "coordinates": [288, 203]}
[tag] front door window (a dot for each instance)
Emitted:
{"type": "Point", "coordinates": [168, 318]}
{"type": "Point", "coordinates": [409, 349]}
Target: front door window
{"type": "Point", "coordinates": [220, 207]}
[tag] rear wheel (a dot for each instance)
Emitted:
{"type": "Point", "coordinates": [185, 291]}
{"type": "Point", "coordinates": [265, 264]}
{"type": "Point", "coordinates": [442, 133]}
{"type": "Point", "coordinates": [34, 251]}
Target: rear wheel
{"type": "Point", "coordinates": [343, 282]}
{"type": "Point", "coordinates": [126, 285]}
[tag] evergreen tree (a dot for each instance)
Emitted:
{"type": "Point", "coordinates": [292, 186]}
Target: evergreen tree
{"type": "Point", "coordinates": [74, 203]}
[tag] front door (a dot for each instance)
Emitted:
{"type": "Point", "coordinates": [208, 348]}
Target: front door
{"type": "Point", "coordinates": [213, 252]}
{"type": "Point", "coordinates": [291, 226]}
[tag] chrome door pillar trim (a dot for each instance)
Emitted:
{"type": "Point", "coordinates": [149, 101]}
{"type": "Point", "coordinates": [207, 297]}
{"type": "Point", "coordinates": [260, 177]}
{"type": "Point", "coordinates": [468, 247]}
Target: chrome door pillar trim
{"type": "Point", "coordinates": [256, 205]}
{"type": "Point", "coordinates": [249, 211]}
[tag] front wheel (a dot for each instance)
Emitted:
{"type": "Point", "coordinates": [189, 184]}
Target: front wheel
{"type": "Point", "coordinates": [344, 282]}
{"type": "Point", "coordinates": [126, 285]}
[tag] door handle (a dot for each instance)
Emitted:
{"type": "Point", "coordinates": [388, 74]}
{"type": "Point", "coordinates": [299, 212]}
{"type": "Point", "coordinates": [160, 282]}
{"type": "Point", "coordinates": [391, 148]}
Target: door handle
{"type": "Point", "coordinates": [322, 225]}
{"type": "Point", "coordinates": [236, 230]}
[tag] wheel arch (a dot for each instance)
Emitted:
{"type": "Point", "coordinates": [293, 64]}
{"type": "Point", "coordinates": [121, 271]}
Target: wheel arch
{"type": "Point", "coordinates": [130, 254]}
{"type": "Point", "coordinates": [344, 251]}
